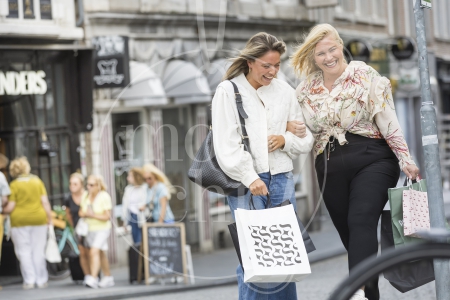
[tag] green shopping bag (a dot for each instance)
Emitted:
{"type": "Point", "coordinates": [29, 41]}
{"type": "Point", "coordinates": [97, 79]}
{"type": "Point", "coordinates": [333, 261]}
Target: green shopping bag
{"type": "Point", "coordinates": [396, 203]}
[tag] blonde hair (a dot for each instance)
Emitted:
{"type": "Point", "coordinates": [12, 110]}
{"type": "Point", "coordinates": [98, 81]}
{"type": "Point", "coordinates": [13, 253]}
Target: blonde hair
{"type": "Point", "coordinates": [19, 166]}
{"type": "Point", "coordinates": [99, 180]}
{"type": "Point", "coordinates": [77, 175]}
{"type": "Point", "coordinates": [303, 59]}
{"type": "Point", "coordinates": [257, 46]}
{"type": "Point", "coordinates": [137, 175]}
{"type": "Point", "coordinates": [159, 176]}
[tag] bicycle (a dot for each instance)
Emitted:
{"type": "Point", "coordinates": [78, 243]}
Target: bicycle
{"type": "Point", "coordinates": [67, 247]}
{"type": "Point", "coordinates": [371, 268]}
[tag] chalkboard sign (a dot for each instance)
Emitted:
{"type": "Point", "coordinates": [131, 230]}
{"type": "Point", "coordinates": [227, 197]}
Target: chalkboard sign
{"type": "Point", "coordinates": [164, 248]}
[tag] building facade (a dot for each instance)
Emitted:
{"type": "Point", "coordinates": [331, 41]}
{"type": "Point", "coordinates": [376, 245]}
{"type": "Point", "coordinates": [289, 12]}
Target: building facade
{"type": "Point", "coordinates": [177, 57]}
{"type": "Point", "coordinates": [45, 92]}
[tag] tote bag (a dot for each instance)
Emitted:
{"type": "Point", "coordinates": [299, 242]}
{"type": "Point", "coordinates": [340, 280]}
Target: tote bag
{"type": "Point", "coordinates": [52, 254]}
{"type": "Point", "coordinates": [407, 276]}
{"type": "Point", "coordinates": [271, 245]}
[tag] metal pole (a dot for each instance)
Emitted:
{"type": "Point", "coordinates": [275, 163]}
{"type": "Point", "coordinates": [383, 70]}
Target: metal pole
{"type": "Point", "coordinates": [431, 154]}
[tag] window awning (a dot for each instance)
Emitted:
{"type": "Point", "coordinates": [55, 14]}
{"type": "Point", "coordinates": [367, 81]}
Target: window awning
{"type": "Point", "coordinates": [185, 83]}
{"type": "Point", "coordinates": [145, 88]}
{"type": "Point", "coordinates": [216, 72]}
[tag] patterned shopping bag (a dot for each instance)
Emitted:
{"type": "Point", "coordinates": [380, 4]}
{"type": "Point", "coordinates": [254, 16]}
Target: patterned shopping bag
{"type": "Point", "coordinates": [416, 216]}
{"type": "Point", "coordinates": [271, 245]}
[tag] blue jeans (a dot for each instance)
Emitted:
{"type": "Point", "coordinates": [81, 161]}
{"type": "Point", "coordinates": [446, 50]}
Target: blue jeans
{"type": "Point", "coordinates": [136, 231]}
{"type": "Point", "coordinates": [281, 188]}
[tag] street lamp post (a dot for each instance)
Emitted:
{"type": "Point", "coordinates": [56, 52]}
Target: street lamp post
{"type": "Point", "coordinates": [431, 154]}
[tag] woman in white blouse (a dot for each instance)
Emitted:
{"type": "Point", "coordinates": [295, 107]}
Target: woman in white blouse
{"type": "Point", "coordinates": [359, 144]}
{"type": "Point", "coordinates": [269, 103]}
{"type": "Point", "coordinates": [134, 201]}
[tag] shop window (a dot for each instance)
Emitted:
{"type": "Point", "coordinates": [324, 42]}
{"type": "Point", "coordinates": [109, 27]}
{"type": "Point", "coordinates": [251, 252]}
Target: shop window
{"type": "Point", "coordinates": [128, 147]}
{"type": "Point", "coordinates": [28, 111]}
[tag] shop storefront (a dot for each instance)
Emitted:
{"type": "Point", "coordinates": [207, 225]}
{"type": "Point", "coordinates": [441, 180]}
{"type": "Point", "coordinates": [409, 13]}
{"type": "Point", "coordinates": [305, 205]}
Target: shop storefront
{"type": "Point", "coordinates": [45, 102]}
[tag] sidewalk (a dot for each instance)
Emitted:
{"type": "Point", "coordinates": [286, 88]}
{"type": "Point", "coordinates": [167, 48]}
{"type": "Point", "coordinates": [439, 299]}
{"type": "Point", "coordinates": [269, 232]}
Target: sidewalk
{"type": "Point", "coordinates": [212, 269]}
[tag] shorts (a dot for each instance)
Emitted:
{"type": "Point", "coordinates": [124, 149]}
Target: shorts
{"type": "Point", "coordinates": [97, 239]}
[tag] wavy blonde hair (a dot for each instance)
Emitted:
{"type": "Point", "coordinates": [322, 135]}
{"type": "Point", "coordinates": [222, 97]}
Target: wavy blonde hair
{"type": "Point", "coordinates": [257, 46]}
{"type": "Point", "coordinates": [159, 176]}
{"type": "Point", "coordinates": [303, 59]}
{"type": "Point", "coordinates": [99, 180]}
{"type": "Point", "coordinates": [137, 175]}
{"type": "Point", "coordinates": [78, 176]}
{"type": "Point", "coordinates": [19, 166]}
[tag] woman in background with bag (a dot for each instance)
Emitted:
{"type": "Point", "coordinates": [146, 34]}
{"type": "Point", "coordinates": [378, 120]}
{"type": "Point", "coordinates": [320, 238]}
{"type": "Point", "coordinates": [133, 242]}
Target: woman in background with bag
{"type": "Point", "coordinates": [72, 203]}
{"type": "Point", "coordinates": [96, 209]}
{"type": "Point", "coordinates": [267, 167]}
{"type": "Point", "coordinates": [358, 140]}
{"type": "Point", "coordinates": [133, 204]}
{"type": "Point", "coordinates": [158, 194]}
{"type": "Point", "coordinates": [30, 215]}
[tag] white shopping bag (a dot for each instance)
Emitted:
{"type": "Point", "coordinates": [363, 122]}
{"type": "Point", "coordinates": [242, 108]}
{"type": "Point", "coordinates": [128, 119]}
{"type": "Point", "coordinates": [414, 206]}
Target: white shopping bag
{"type": "Point", "coordinates": [52, 254]}
{"type": "Point", "coordinates": [271, 245]}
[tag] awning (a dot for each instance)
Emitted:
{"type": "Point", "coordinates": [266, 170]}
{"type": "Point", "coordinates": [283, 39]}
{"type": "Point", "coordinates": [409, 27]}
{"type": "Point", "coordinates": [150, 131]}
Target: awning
{"type": "Point", "coordinates": [287, 73]}
{"type": "Point", "coordinates": [145, 88]}
{"type": "Point", "coordinates": [216, 72]}
{"type": "Point", "coordinates": [185, 83]}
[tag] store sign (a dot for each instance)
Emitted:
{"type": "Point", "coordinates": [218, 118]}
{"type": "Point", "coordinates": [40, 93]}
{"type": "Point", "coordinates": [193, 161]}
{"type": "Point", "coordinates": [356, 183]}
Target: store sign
{"type": "Point", "coordinates": [358, 50]}
{"type": "Point", "coordinates": [403, 48]}
{"type": "Point", "coordinates": [111, 61]}
{"type": "Point", "coordinates": [23, 83]}
{"type": "Point", "coordinates": [409, 79]}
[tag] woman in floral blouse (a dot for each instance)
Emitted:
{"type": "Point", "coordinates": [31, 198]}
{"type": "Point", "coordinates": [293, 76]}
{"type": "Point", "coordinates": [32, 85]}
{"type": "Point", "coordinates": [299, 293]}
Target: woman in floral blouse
{"type": "Point", "coordinates": [359, 144]}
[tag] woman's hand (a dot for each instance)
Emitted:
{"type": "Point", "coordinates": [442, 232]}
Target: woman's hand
{"type": "Point", "coordinates": [411, 171]}
{"type": "Point", "coordinates": [89, 214]}
{"type": "Point", "coordinates": [142, 208]}
{"type": "Point", "coordinates": [275, 142]}
{"type": "Point", "coordinates": [297, 128]}
{"type": "Point", "coordinates": [258, 188]}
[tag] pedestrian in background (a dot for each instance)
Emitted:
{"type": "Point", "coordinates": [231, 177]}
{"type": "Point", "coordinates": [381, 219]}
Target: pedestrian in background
{"type": "Point", "coordinates": [4, 193]}
{"type": "Point", "coordinates": [133, 203]}
{"type": "Point", "coordinates": [30, 215]}
{"type": "Point", "coordinates": [72, 203]}
{"type": "Point", "coordinates": [96, 209]}
{"type": "Point", "coordinates": [358, 139]}
{"type": "Point", "coordinates": [158, 194]}
{"type": "Point", "coordinates": [267, 168]}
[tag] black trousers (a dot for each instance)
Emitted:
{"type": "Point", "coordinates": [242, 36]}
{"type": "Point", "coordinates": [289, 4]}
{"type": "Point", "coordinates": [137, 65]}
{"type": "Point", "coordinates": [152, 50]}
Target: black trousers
{"type": "Point", "coordinates": [358, 177]}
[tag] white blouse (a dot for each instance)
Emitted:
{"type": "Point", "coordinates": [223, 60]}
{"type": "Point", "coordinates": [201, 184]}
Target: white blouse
{"type": "Point", "coordinates": [269, 108]}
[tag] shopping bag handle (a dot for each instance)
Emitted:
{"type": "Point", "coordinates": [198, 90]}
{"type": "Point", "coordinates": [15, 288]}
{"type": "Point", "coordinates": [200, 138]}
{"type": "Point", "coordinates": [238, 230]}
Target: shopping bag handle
{"type": "Point", "coordinates": [252, 204]}
{"type": "Point", "coordinates": [408, 182]}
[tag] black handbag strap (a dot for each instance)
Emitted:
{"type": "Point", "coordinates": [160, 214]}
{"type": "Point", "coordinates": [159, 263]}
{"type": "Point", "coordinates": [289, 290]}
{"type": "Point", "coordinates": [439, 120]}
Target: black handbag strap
{"type": "Point", "coordinates": [242, 115]}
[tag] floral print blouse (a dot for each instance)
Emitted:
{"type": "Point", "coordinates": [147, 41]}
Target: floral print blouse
{"type": "Point", "coordinates": [360, 102]}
